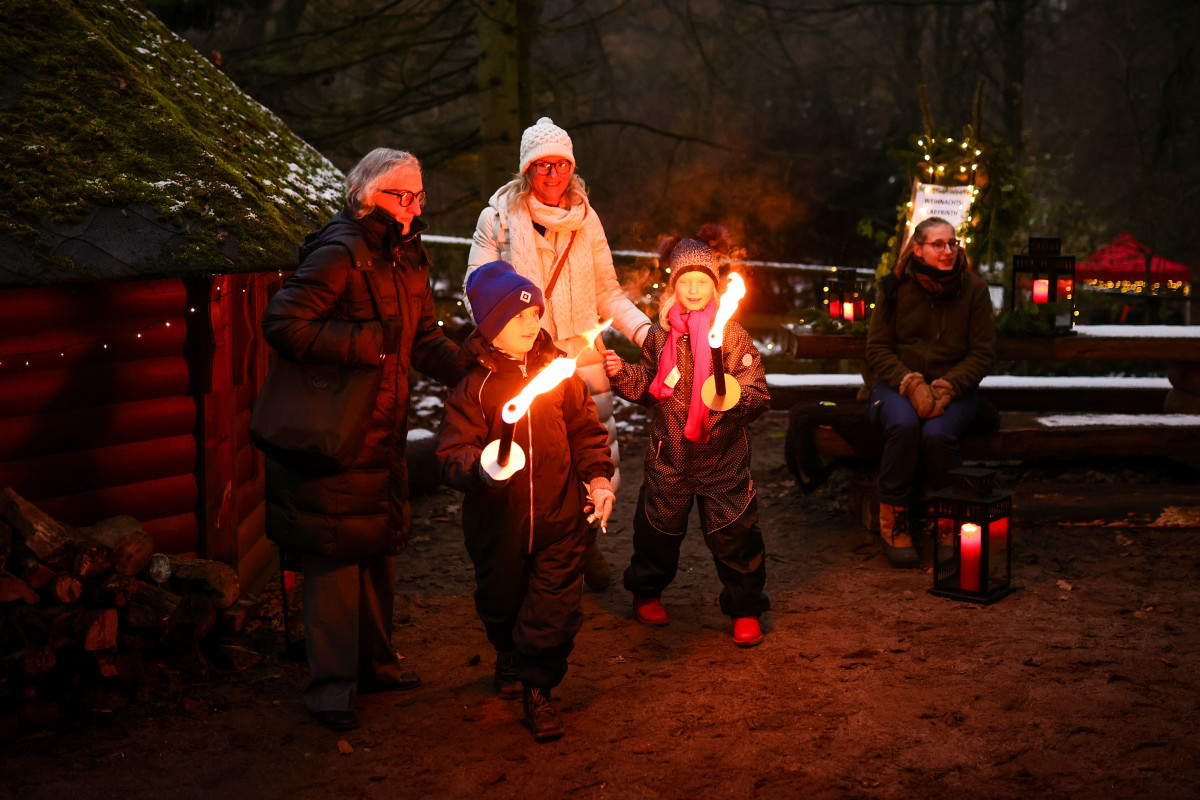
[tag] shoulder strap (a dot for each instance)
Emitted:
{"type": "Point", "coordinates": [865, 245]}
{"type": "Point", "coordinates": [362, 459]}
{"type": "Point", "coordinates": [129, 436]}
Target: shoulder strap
{"type": "Point", "coordinates": [561, 260]}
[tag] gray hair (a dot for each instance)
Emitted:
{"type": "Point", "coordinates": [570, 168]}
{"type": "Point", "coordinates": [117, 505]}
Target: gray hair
{"type": "Point", "coordinates": [363, 180]}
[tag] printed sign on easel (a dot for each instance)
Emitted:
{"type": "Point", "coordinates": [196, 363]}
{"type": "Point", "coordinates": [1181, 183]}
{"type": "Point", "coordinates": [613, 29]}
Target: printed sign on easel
{"type": "Point", "coordinates": [951, 203]}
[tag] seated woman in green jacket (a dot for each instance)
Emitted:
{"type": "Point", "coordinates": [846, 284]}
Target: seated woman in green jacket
{"type": "Point", "coordinates": [931, 341]}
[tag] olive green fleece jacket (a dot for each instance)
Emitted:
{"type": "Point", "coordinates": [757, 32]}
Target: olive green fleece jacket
{"type": "Point", "coordinates": [950, 339]}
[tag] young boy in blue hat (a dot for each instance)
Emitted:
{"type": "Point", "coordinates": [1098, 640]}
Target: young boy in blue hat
{"type": "Point", "coordinates": [525, 534]}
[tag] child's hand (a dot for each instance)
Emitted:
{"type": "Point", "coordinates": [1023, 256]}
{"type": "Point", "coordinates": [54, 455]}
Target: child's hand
{"type": "Point", "coordinates": [612, 362]}
{"type": "Point", "coordinates": [601, 497]}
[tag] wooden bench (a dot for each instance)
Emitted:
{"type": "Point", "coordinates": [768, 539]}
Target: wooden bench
{"type": "Point", "coordinates": [1124, 395]}
{"type": "Point", "coordinates": [1176, 347]}
{"type": "Point", "coordinates": [1035, 418]}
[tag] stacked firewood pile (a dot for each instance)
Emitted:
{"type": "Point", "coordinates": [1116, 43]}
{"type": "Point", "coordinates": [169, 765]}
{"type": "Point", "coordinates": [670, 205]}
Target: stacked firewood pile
{"type": "Point", "coordinates": [98, 604]}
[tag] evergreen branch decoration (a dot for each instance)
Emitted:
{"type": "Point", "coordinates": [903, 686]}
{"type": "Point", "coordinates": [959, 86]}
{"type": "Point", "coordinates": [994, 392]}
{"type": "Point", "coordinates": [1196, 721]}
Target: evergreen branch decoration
{"type": "Point", "coordinates": [1000, 206]}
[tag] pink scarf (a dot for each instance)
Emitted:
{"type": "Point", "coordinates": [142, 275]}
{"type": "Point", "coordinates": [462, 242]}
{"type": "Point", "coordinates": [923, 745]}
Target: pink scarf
{"type": "Point", "coordinates": [696, 324]}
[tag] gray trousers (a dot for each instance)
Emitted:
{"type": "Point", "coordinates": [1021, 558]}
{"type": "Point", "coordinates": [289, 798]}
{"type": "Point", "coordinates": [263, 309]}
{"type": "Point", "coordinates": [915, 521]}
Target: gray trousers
{"type": "Point", "coordinates": [348, 629]}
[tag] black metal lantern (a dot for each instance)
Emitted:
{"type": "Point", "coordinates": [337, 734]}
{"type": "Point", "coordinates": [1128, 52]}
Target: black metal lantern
{"type": "Point", "coordinates": [973, 540]}
{"type": "Point", "coordinates": [845, 296]}
{"type": "Point", "coordinates": [1044, 277]}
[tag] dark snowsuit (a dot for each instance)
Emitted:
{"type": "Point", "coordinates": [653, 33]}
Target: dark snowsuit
{"type": "Point", "coordinates": [716, 475]}
{"type": "Point", "coordinates": [351, 525]}
{"type": "Point", "coordinates": [525, 538]}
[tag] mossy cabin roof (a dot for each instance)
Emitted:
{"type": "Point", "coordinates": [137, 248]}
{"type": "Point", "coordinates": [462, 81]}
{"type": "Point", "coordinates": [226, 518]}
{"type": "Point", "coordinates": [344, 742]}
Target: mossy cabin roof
{"type": "Point", "coordinates": [125, 154]}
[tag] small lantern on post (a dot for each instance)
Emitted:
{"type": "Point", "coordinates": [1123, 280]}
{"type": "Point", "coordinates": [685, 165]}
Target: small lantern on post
{"type": "Point", "coordinates": [973, 544]}
{"type": "Point", "coordinates": [845, 296]}
{"type": "Point", "coordinates": [1045, 277]}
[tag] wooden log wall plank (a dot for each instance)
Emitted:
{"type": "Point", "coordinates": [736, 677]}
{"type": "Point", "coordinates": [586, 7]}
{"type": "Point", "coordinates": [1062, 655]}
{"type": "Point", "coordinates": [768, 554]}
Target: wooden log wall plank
{"type": "Point", "coordinates": [101, 467]}
{"type": "Point", "coordinates": [35, 391]}
{"type": "Point", "coordinates": [64, 431]}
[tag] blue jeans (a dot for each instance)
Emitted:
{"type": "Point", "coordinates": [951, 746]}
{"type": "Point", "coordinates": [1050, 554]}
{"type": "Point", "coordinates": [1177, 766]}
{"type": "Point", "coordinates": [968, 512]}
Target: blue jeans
{"type": "Point", "coordinates": [914, 449]}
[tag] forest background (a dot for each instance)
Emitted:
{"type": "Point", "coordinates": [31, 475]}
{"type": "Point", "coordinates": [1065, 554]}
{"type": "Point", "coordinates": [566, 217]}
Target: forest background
{"type": "Point", "coordinates": [780, 119]}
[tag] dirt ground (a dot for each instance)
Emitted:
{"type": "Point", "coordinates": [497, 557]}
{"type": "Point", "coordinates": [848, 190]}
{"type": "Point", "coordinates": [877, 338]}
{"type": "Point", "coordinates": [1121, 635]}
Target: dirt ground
{"type": "Point", "coordinates": [1081, 684]}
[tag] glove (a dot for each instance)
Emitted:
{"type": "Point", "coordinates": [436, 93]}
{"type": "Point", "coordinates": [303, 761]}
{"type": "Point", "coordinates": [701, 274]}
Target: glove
{"type": "Point", "coordinates": [913, 387]}
{"type": "Point", "coordinates": [943, 393]}
{"type": "Point", "coordinates": [488, 480]}
{"type": "Point", "coordinates": [601, 498]}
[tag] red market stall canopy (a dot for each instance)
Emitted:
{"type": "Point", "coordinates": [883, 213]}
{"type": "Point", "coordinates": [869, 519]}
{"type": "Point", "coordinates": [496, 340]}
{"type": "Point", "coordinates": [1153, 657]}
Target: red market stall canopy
{"type": "Point", "coordinates": [1125, 260]}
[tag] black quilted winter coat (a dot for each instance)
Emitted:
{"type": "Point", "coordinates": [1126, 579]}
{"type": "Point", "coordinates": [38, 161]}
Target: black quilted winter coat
{"type": "Point", "coordinates": [565, 446]}
{"type": "Point", "coordinates": [324, 315]}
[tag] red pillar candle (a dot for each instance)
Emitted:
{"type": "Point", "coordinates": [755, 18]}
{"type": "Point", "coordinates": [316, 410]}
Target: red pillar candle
{"type": "Point", "coordinates": [1041, 290]}
{"type": "Point", "coordinates": [969, 542]}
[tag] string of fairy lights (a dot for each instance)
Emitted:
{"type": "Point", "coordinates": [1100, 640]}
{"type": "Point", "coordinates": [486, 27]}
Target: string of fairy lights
{"type": "Point", "coordinates": [967, 168]}
{"type": "Point", "coordinates": [28, 357]}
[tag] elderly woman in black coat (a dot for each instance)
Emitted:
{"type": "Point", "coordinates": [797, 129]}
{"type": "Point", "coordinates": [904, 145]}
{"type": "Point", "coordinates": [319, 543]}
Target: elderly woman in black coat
{"type": "Point", "coordinates": [351, 524]}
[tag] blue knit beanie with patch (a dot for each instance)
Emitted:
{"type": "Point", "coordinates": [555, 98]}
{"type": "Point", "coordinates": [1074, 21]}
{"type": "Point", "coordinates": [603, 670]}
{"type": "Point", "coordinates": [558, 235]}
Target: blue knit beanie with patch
{"type": "Point", "coordinates": [497, 293]}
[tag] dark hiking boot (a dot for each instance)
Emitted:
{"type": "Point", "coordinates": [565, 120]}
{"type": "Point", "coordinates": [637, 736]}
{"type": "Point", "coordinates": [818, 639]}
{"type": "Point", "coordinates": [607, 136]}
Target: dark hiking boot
{"type": "Point", "coordinates": [540, 714]}
{"type": "Point", "coordinates": [897, 539]}
{"type": "Point", "coordinates": [336, 720]}
{"type": "Point", "coordinates": [505, 678]}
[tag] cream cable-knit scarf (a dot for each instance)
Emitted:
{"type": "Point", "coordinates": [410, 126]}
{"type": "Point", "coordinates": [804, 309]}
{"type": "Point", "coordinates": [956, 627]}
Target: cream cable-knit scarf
{"type": "Point", "coordinates": [572, 307]}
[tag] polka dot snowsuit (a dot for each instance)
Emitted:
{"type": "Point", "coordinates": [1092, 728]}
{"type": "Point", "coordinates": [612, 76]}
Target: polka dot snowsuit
{"type": "Point", "coordinates": [715, 475]}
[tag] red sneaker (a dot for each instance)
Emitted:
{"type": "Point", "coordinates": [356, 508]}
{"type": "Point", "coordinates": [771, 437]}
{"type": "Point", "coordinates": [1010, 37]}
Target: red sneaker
{"type": "Point", "coordinates": [746, 632]}
{"type": "Point", "coordinates": [650, 611]}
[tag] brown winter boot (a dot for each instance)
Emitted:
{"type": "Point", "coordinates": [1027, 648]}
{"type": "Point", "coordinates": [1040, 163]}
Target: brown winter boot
{"type": "Point", "coordinates": [897, 540]}
{"type": "Point", "coordinates": [540, 714]}
{"type": "Point", "coordinates": [597, 574]}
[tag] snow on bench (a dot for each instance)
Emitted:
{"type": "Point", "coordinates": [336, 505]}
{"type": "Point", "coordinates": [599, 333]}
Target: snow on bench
{"type": "Point", "coordinates": [821, 380]}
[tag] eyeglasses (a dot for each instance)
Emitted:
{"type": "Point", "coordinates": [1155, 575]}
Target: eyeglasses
{"type": "Point", "coordinates": [406, 198]}
{"type": "Point", "coordinates": [561, 167]}
{"type": "Point", "coordinates": [939, 246]}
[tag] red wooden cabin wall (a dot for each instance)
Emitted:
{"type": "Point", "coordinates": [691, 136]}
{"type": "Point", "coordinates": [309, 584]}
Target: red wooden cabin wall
{"type": "Point", "coordinates": [119, 398]}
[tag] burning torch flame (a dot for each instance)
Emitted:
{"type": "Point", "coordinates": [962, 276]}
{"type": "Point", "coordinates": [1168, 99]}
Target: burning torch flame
{"type": "Point", "coordinates": [555, 373]}
{"type": "Point", "coordinates": [734, 292]}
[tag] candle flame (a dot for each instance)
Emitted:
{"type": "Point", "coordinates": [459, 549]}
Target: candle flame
{"type": "Point", "coordinates": [735, 290]}
{"type": "Point", "coordinates": [555, 373]}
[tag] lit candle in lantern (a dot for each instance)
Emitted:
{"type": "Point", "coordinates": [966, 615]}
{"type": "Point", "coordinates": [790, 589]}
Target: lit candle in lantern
{"type": "Point", "coordinates": [970, 545]}
{"type": "Point", "coordinates": [1041, 290]}
{"type": "Point", "coordinates": [502, 458]}
{"type": "Point", "coordinates": [848, 311]}
{"type": "Point", "coordinates": [716, 391]}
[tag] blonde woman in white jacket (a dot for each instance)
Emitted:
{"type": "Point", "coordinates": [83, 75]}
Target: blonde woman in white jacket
{"type": "Point", "coordinates": [542, 224]}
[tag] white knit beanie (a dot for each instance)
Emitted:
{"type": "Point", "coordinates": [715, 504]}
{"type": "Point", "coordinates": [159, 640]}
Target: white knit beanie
{"type": "Point", "coordinates": [544, 139]}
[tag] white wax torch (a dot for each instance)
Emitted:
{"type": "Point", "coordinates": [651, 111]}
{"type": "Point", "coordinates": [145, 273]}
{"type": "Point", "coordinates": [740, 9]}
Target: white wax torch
{"type": "Point", "coordinates": [718, 392]}
{"type": "Point", "coordinates": [502, 458]}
